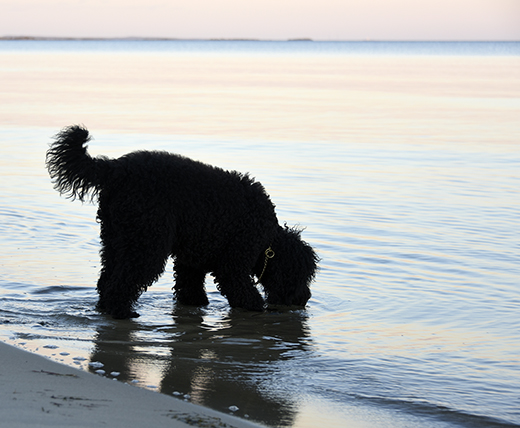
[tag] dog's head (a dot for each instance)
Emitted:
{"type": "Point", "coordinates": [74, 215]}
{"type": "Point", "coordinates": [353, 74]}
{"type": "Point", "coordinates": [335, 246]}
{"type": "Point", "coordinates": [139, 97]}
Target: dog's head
{"type": "Point", "coordinates": [289, 273]}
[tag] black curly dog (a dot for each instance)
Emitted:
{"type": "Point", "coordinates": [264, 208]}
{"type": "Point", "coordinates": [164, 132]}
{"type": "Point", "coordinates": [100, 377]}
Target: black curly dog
{"type": "Point", "coordinates": [153, 205]}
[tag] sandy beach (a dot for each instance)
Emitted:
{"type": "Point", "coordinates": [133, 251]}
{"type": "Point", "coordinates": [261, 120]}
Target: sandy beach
{"type": "Point", "coordinates": [38, 392]}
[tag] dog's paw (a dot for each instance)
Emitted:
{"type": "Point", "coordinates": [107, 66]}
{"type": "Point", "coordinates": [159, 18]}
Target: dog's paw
{"type": "Point", "coordinates": [123, 315]}
{"type": "Point", "coordinates": [192, 300]}
{"type": "Point", "coordinates": [122, 312]}
{"type": "Point", "coordinates": [256, 303]}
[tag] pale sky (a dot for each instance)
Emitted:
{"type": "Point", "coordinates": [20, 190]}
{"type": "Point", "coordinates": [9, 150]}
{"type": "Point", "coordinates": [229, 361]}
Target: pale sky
{"type": "Point", "coordinates": [265, 19]}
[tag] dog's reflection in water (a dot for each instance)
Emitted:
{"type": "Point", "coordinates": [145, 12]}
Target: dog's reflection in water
{"type": "Point", "coordinates": [235, 361]}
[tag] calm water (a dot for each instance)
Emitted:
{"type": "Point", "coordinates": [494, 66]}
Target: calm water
{"type": "Point", "coordinates": [402, 162]}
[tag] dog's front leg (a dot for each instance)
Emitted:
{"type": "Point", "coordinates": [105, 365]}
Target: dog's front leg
{"type": "Point", "coordinates": [239, 290]}
{"type": "Point", "coordinates": [189, 285]}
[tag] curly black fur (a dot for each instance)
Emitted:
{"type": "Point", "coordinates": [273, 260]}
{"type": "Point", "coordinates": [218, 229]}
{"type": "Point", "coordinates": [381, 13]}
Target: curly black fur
{"type": "Point", "coordinates": [153, 205]}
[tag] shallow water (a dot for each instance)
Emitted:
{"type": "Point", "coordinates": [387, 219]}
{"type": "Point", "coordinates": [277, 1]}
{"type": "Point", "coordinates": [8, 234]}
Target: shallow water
{"type": "Point", "coordinates": [402, 165]}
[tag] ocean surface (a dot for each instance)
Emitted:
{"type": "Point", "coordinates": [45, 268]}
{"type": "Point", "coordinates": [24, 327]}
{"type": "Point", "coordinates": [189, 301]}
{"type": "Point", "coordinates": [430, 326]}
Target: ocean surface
{"type": "Point", "coordinates": [400, 160]}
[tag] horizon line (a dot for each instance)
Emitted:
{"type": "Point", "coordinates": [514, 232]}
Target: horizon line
{"type": "Point", "coordinates": [239, 39]}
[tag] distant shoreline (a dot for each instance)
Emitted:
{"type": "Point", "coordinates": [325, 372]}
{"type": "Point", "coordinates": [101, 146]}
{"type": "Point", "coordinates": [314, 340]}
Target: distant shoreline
{"type": "Point", "coordinates": [152, 39]}
{"type": "Point", "coordinates": [303, 39]}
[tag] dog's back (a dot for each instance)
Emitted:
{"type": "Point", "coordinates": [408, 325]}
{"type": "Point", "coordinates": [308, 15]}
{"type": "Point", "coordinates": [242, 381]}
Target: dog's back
{"type": "Point", "coordinates": [153, 173]}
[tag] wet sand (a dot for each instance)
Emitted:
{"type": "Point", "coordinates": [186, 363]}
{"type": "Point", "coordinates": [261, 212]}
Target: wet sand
{"type": "Point", "coordinates": [35, 391]}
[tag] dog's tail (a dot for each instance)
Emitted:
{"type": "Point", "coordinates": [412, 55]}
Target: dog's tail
{"type": "Point", "coordinates": [73, 171]}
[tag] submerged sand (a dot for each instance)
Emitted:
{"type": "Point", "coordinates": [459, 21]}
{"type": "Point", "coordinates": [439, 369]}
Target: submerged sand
{"type": "Point", "coordinates": [35, 391]}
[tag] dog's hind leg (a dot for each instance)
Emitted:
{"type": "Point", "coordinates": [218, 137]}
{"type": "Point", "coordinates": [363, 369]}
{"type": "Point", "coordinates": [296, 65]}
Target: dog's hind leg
{"type": "Point", "coordinates": [189, 285]}
{"type": "Point", "coordinates": [114, 298]}
{"type": "Point", "coordinates": [128, 269]}
{"type": "Point", "coordinates": [120, 285]}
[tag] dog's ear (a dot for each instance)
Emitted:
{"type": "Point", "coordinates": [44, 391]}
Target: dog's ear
{"type": "Point", "coordinates": [305, 258]}
{"type": "Point", "coordinates": [291, 271]}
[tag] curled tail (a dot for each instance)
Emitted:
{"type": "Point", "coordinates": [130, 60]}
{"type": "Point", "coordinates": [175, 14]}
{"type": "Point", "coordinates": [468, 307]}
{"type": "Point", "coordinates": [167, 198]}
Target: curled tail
{"type": "Point", "coordinates": [73, 171]}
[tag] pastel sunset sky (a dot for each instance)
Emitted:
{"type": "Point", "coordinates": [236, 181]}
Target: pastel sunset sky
{"type": "Point", "coordinates": [265, 19]}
